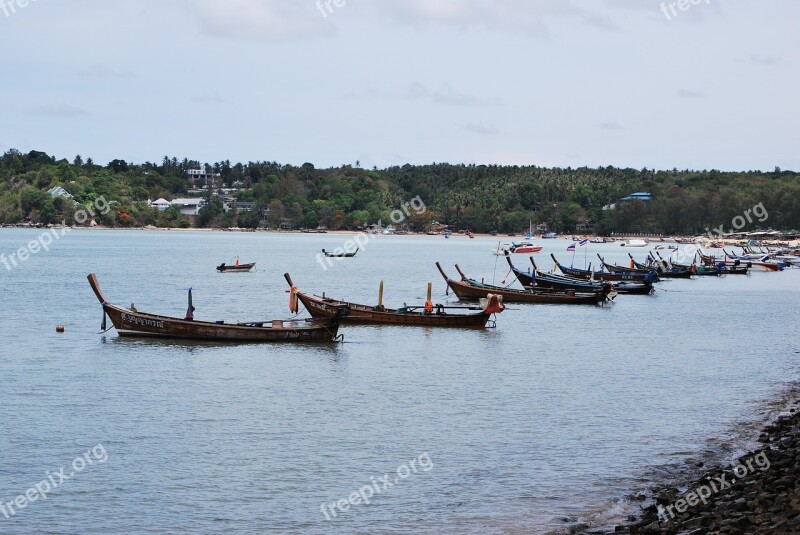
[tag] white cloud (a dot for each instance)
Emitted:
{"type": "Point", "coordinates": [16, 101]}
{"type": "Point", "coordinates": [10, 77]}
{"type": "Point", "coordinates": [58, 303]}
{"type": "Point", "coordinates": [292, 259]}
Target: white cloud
{"type": "Point", "coordinates": [102, 71]}
{"type": "Point", "coordinates": [58, 110]}
{"type": "Point", "coordinates": [264, 20]}
{"type": "Point", "coordinates": [446, 94]}
{"type": "Point", "coordinates": [209, 98]}
{"type": "Point", "coordinates": [689, 93]}
{"type": "Point", "coordinates": [482, 129]}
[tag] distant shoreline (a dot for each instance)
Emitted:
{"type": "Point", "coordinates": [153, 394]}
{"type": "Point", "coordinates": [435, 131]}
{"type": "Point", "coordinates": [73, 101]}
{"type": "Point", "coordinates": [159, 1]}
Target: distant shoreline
{"type": "Point", "coordinates": [499, 237]}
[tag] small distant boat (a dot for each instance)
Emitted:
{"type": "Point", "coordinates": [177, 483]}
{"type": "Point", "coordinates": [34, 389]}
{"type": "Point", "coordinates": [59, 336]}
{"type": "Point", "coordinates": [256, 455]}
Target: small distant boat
{"type": "Point", "coordinates": [330, 254]}
{"type": "Point", "coordinates": [235, 268]}
{"type": "Point", "coordinates": [519, 248]}
{"type": "Point", "coordinates": [634, 243]}
{"type": "Point", "coordinates": [131, 322]}
{"type": "Point", "coordinates": [550, 236]}
{"type": "Point", "coordinates": [524, 247]}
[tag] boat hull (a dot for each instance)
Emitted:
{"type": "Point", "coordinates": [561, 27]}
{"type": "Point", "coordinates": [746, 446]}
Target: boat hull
{"type": "Point", "coordinates": [467, 291]}
{"type": "Point", "coordinates": [242, 268]}
{"type": "Point", "coordinates": [320, 307]}
{"type": "Point", "coordinates": [131, 323]}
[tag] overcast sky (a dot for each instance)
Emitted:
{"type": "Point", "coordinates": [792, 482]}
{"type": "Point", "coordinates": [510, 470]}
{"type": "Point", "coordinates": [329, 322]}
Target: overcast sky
{"type": "Point", "coordinates": [385, 82]}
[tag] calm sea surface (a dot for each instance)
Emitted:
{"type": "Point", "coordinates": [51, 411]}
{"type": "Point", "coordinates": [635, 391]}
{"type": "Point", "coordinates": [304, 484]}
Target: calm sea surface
{"type": "Point", "coordinates": [548, 421]}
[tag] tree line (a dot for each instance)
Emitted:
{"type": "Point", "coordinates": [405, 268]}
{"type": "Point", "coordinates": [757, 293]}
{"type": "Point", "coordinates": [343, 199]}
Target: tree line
{"type": "Point", "coordinates": [479, 198]}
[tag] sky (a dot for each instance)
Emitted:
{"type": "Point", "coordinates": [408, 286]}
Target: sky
{"type": "Point", "coordinates": [695, 84]}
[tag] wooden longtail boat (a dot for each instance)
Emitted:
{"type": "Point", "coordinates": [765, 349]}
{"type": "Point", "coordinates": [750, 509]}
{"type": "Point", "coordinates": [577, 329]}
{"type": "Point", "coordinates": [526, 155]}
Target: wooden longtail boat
{"type": "Point", "coordinates": [325, 307]}
{"type": "Point", "coordinates": [664, 273]}
{"type": "Point", "coordinates": [662, 266]}
{"type": "Point", "coordinates": [630, 287]}
{"type": "Point", "coordinates": [588, 274]}
{"type": "Point", "coordinates": [237, 268]}
{"type": "Point", "coordinates": [330, 254]}
{"type": "Point", "coordinates": [541, 280]}
{"type": "Point", "coordinates": [674, 270]}
{"type": "Point", "coordinates": [728, 267]}
{"type": "Point", "coordinates": [131, 322]}
{"type": "Point", "coordinates": [709, 271]}
{"type": "Point", "coordinates": [764, 266]}
{"type": "Point", "coordinates": [470, 290]}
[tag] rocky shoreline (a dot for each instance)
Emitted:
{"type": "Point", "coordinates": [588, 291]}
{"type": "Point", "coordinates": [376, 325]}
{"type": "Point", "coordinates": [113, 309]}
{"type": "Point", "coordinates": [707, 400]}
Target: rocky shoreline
{"type": "Point", "coordinates": [757, 495]}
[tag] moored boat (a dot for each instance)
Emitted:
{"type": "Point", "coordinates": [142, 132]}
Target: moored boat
{"type": "Point", "coordinates": [423, 316]}
{"type": "Point", "coordinates": [634, 243]}
{"type": "Point", "coordinates": [342, 254]}
{"type": "Point", "coordinates": [469, 290]}
{"type": "Point", "coordinates": [236, 267]}
{"type": "Point", "coordinates": [539, 280]}
{"type": "Point", "coordinates": [524, 247]}
{"type": "Point", "coordinates": [131, 322]}
{"type": "Point", "coordinates": [649, 277]}
{"type": "Point", "coordinates": [764, 264]}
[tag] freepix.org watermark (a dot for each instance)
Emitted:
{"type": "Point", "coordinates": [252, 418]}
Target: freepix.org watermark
{"type": "Point", "coordinates": [377, 485]}
{"type": "Point", "coordinates": [669, 8]}
{"type": "Point", "coordinates": [48, 237]}
{"type": "Point", "coordinates": [326, 6]}
{"type": "Point", "coordinates": [53, 481]}
{"type": "Point", "coordinates": [361, 239]}
{"type": "Point", "coordinates": [715, 486]}
{"type": "Point", "coordinates": [9, 7]}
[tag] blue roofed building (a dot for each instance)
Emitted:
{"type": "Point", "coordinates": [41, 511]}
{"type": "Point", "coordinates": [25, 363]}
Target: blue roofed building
{"type": "Point", "coordinates": [638, 196]}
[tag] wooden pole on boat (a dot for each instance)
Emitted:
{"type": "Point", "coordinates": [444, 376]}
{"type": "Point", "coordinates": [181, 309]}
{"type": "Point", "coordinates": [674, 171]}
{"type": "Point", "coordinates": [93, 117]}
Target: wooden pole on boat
{"type": "Point", "coordinates": [428, 303]}
{"type": "Point", "coordinates": [380, 295]}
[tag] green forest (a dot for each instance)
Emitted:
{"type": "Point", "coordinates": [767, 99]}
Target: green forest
{"type": "Point", "coordinates": [480, 198]}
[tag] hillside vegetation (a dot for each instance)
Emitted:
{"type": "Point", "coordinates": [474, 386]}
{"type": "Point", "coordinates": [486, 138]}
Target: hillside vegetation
{"type": "Point", "coordinates": [480, 198]}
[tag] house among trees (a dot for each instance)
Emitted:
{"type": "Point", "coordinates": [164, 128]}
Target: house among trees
{"type": "Point", "coordinates": [638, 196]}
{"type": "Point", "coordinates": [202, 178]}
{"type": "Point", "coordinates": [187, 207]}
{"type": "Point", "coordinates": [58, 191]}
{"type": "Point", "coordinates": [161, 204]}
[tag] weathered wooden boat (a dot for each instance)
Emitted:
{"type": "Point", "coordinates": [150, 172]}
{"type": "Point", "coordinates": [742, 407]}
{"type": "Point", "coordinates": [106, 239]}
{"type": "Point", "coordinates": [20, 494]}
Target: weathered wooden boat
{"type": "Point", "coordinates": [728, 267]}
{"type": "Point", "coordinates": [613, 268]}
{"type": "Point", "coordinates": [131, 322]}
{"type": "Point", "coordinates": [666, 273]}
{"type": "Point", "coordinates": [469, 290]}
{"type": "Point", "coordinates": [422, 316]}
{"type": "Point", "coordinates": [343, 254]}
{"type": "Point", "coordinates": [672, 269]}
{"type": "Point", "coordinates": [764, 265]}
{"type": "Point", "coordinates": [539, 279]}
{"type": "Point", "coordinates": [236, 268]}
{"type": "Point", "coordinates": [627, 287]}
{"type": "Point", "coordinates": [588, 274]}
{"type": "Point", "coordinates": [660, 265]}
{"type": "Point", "coordinates": [708, 271]}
